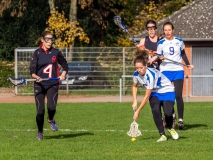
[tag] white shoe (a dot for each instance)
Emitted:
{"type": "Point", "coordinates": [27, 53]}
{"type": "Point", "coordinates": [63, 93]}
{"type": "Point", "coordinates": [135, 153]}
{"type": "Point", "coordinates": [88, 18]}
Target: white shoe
{"type": "Point", "coordinates": [173, 133]}
{"type": "Point", "coordinates": [163, 138]}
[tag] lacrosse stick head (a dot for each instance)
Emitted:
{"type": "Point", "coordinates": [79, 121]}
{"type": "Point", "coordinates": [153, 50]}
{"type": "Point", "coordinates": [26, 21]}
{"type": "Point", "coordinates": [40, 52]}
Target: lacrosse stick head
{"type": "Point", "coordinates": [118, 22]}
{"type": "Point", "coordinates": [16, 81]}
{"type": "Point", "coordinates": [134, 131]}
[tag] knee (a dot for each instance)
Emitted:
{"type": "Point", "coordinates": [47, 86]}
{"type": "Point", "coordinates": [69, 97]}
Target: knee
{"type": "Point", "coordinates": [168, 112]}
{"type": "Point", "coordinates": [178, 96]}
{"type": "Point", "coordinates": [155, 111]}
{"type": "Point", "coordinates": [40, 113]}
{"type": "Point", "coordinates": [40, 116]}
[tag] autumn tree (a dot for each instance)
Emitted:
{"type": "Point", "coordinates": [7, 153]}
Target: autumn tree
{"type": "Point", "coordinates": [21, 24]}
{"type": "Point", "coordinates": [154, 11]}
{"type": "Point", "coordinates": [64, 30]}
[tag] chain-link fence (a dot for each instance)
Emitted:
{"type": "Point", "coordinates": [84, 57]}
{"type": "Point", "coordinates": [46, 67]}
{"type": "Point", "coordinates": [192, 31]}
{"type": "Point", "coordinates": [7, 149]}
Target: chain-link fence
{"type": "Point", "coordinates": [92, 70]}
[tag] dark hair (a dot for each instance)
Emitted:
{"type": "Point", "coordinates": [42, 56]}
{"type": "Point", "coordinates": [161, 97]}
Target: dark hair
{"type": "Point", "coordinates": [141, 56]}
{"type": "Point", "coordinates": [168, 23]}
{"type": "Point", "coordinates": [43, 34]}
{"type": "Point", "coordinates": [152, 22]}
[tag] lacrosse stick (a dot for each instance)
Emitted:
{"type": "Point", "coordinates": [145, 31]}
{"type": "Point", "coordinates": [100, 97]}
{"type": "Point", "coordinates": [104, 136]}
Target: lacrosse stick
{"type": "Point", "coordinates": [134, 131]}
{"type": "Point", "coordinates": [118, 22]}
{"type": "Point", "coordinates": [20, 81]}
{"type": "Point", "coordinates": [156, 54]}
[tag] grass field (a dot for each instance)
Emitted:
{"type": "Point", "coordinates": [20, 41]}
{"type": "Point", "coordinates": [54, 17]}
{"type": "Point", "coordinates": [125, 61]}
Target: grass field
{"type": "Point", "coordinates": [97, 131]}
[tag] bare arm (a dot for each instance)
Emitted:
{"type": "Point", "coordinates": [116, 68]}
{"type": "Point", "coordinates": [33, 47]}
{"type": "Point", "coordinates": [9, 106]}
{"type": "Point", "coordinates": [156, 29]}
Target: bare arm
{"type": "Point", "coordinates": [141, 44]}
{"type": "Point", "coordinates": [143, 103]}
{"type": "Point", "coordinates": [134, 96]}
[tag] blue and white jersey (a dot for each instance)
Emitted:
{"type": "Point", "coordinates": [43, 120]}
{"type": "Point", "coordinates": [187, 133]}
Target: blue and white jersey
{"type": "Point", "coordinates": [171, 49]}
{"type": "Point", "coordinates": [155, 80]}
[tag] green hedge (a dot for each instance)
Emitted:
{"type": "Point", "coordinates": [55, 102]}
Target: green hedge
{"type": "Point", "coordinates": [6, 69]}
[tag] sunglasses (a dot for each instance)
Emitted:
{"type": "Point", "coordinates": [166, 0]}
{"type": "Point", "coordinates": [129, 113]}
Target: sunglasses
{"type": "Point", "coordinates": [151, 28]}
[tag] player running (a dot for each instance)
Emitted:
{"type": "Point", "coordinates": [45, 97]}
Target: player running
{"type": "Point", "coordinates": [44, 64]}
{"type": "Point", "coordinates": [173, 48]}
{"type": "Point", "coordinates": [150, 43]}
{"type": "Point", "coordinates": [159, 91]}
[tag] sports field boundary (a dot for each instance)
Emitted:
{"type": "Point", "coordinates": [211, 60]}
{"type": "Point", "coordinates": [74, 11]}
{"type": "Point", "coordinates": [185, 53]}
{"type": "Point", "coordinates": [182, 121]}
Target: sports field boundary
{"type": "Point", "coordinates": [12, 98]}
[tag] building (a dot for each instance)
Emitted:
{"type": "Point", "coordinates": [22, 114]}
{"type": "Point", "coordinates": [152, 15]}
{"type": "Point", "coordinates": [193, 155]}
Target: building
{"type": "Point", "coordinates": [194, 24]}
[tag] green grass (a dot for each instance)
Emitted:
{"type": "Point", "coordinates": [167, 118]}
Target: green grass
{"type": "Point", "coordinates": [97, 131]}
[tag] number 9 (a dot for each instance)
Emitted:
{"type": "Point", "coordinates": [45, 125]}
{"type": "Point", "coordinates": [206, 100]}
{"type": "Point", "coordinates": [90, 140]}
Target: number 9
{"type": "Point", "coordinates": [171, 50]}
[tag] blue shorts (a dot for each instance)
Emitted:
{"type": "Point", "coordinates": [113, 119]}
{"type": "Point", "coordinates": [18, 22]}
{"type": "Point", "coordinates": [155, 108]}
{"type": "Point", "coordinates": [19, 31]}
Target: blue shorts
{"type": "Point", "coordinates": [168, 96]}
{"type": "Point", "coordinates": [174, 75]}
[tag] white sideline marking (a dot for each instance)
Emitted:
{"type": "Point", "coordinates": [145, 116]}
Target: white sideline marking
{"type": "Point", "coordinates": [85, 130]}
{"type": "Point", "coordinates": [64, 130]}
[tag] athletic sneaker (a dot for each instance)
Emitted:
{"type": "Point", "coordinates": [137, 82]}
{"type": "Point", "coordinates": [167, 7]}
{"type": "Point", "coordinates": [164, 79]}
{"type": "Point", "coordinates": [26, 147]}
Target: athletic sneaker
{"type": "Point", "coordinates": [39, 136]}
{"type": "Point", "coordinates": [163, 138]}
{"type": "Point", "coordinates": [173, 133]}
{"type": "Point", "coordinates": [53, 125]}
{"type": "Point", "coordinates": [180, 125]}
{"type": "Point", "coordinates": [174, 120]}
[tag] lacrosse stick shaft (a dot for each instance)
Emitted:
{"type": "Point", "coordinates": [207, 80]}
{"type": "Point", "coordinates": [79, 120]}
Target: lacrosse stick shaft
{"type": "Point", "coordinates": [20, 81]}
{"type": "Point", "coordinates": [171, 60]}
{"type": "Point", "coordinates": [44, 79]}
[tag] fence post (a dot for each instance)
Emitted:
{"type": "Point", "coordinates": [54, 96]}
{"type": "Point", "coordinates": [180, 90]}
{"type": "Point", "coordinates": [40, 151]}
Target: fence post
{"type": "Point", "coordinates": [124, 70]}
{"type": "Point", "coordinates": [16, 70]}
{"type": "Point", "coordinates": [187, 100]}
{"type": "Point", "coordinates": [120, 88]}
{"type": "Point", "coordinates": [67, 85]}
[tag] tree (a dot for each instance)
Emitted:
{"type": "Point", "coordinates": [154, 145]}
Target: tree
{"type": "Point", "coordinates": [152, 11]}
{"type": "Point", "coordinates": [96, 18]}
{"type": "Point", "coordinates": [21, 23]}
{"type": "Point", "coordinates": [64, 30]}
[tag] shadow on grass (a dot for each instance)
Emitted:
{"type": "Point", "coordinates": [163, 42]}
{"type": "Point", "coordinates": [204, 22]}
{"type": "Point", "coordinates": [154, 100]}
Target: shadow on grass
{"type": "Point", "coordinates": [71, 135]}
{"type": "Point", "coordinates": [191, 126]}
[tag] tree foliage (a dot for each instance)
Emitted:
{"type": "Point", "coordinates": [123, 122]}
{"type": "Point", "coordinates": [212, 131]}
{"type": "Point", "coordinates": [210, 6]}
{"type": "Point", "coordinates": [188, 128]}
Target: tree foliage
{"type": "Point", "coordinates": [22, 21]}
{"type": "Point", "coordinates": [96, 18]}
{"type": "Point", "coordinates": [17, 7]}
{"type": "Point", "coordinates": [21, 30]}
{"type": "Point", "coordinates": [154, 11]}
{"type": "Point", "coordinates": [64, 30]}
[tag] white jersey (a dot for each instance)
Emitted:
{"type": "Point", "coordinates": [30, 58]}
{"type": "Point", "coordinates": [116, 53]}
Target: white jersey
{"type": "Point", "coordinates": [155, 80]}
{"type": "Point", "coordinates": [171, 49]}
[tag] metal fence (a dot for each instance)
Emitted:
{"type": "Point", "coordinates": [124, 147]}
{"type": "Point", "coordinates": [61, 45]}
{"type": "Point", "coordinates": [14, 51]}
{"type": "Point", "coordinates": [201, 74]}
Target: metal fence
{"type": "Point", "coordinates": [110, 63]}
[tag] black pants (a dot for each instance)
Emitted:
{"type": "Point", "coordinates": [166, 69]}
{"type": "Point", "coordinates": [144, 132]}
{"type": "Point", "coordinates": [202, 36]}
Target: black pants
{"type": "Point", "coordinates": [168, 107]}
{"type": "Point", "coordinates": [51, 93]}
{"type": "Point", "coordinates": [178, 96]}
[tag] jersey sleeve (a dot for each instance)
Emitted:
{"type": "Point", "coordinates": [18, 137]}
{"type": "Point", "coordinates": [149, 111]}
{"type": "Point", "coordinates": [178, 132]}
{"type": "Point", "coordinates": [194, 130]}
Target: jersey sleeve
{"type": "Point", "coordinates": [182, 45]}
{"type": "Point", "coordinates": [135, 80]}
{"type": "Point", "coordinates": [62, 61]}
{"type": "Point", "coordinates": [159, 49]}
{"type": "Point", "coordinates": [33, 63]}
